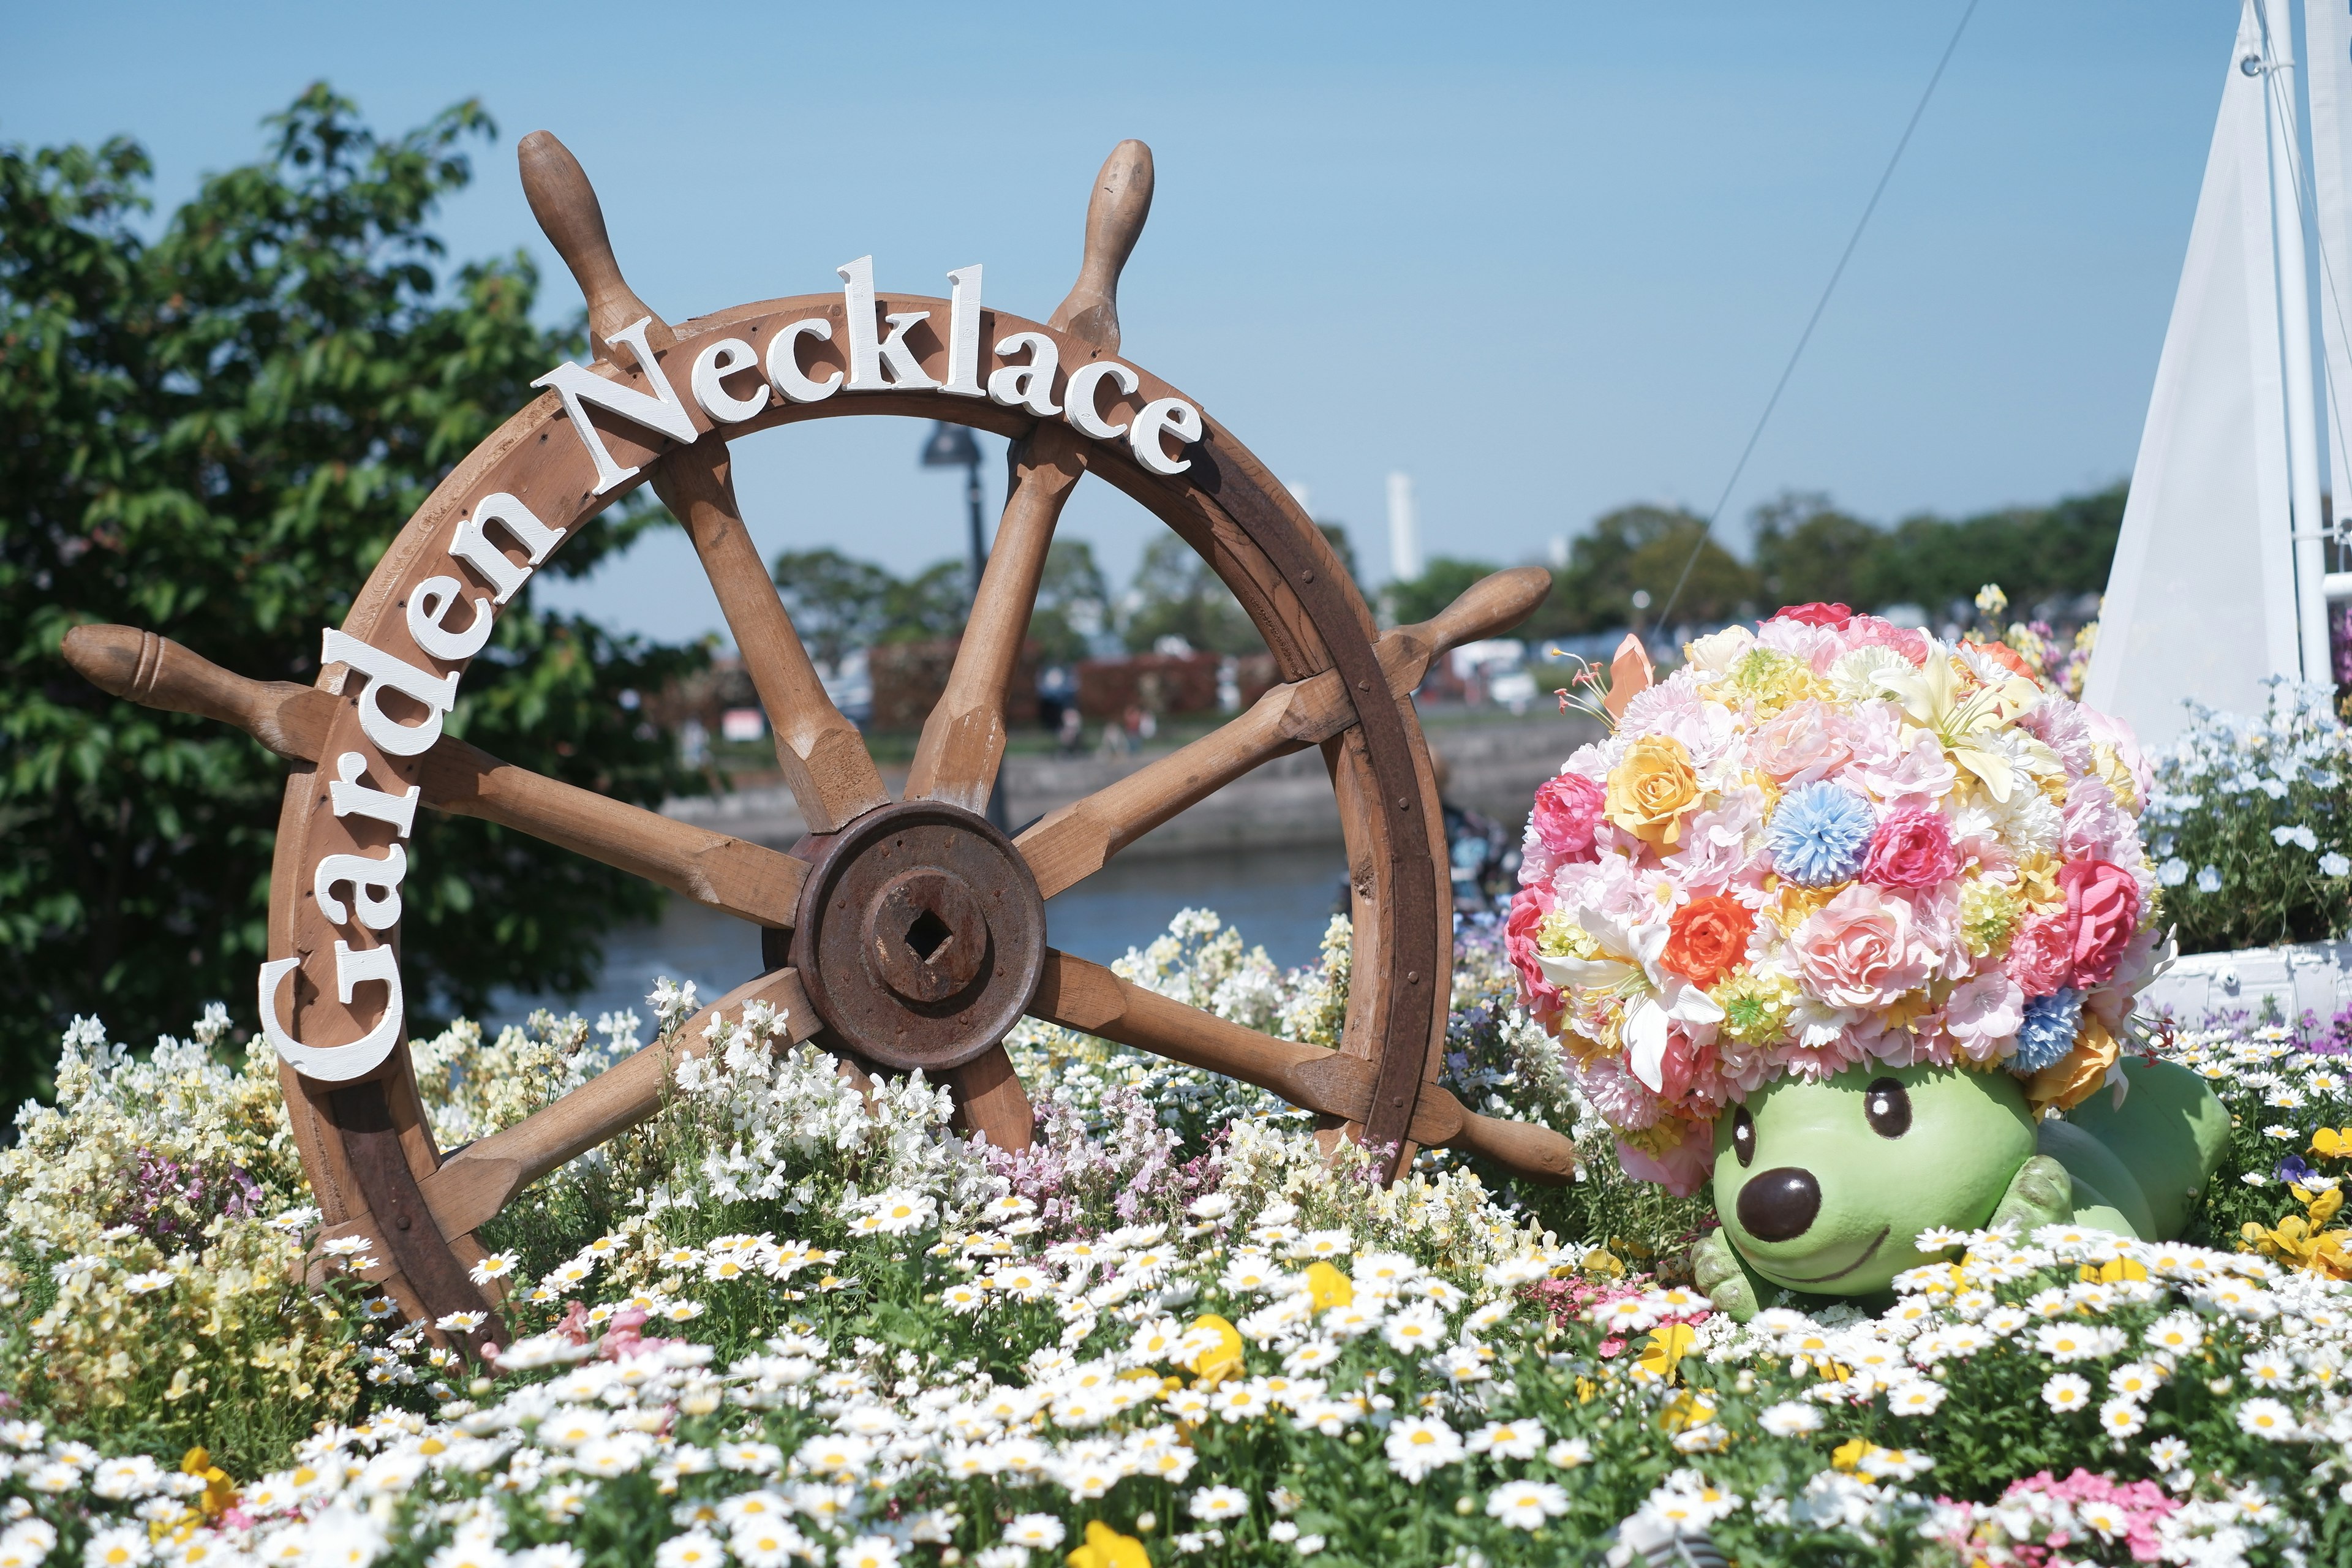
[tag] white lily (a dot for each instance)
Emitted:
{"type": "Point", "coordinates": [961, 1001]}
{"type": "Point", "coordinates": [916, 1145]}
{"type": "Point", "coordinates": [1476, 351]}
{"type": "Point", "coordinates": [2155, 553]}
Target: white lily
{"type": "Point", "coordinates": [1627, 964]}
{"type": "Point", "coordinates": [1970, 728]}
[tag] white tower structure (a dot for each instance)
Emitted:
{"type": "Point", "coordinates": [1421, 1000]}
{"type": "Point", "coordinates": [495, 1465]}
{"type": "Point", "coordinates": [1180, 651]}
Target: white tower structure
{"type": "Point", "coordinates": [1404, 529]}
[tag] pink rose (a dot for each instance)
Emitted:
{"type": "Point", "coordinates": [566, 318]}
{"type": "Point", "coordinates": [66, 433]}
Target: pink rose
{"type": "Point", "coordinates": [1806, 743]}
{"type": "Point", "coordinates": [1984, 1014]}
{"type": "Point", "coordinates": [2042, 955]}
{"type": "Point", "coordinates": [1913, 848]}
{"type": "Point", "coordinates": [1855, 951]}
{"type": "Point", "coordinates": [2103, 908]}
{"type": "Point", "coordinates": [1542, 997]}
{"type": "Point", "coordinates": [1568, 808]}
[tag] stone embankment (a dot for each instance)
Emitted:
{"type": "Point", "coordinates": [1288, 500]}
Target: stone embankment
{"type": "Point", "coordinates": [1493, 761]}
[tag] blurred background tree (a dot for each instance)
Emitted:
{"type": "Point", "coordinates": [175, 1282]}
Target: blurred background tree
{"type": "Point", "coordinates": [1074, 605]}
{"type": "Point", "coordinates": [1440, 582]}
{"type": "Point", "coordinates": [1177, 595]}
{"type": "Point", "coordinates": [214, 434]}
{"type": "Point", "coordinates": [838, 603]}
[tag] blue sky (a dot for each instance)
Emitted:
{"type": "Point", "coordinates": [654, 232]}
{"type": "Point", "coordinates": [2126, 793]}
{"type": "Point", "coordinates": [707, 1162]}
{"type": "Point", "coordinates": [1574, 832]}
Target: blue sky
{"type": "Point", "coordinates": [1548, 259]}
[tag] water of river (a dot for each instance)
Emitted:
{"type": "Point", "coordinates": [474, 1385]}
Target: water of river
{"type": "Point", "coordinates": [1278, 899]}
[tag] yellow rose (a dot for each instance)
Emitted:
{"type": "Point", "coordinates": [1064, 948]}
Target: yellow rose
{"type": "Point", "coordinates": [1650, 790]}
{"type": "Point", "coordinates": [2068, 1081]}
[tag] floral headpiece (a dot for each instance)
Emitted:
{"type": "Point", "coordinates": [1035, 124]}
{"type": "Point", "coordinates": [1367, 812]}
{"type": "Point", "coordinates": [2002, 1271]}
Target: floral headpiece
{"type": "Point", "coordinates": [1829, 842]}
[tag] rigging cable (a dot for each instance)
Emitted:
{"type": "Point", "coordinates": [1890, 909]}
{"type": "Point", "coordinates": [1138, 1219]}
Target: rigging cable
{"type": "Point", "coordinates": [1822, 304]}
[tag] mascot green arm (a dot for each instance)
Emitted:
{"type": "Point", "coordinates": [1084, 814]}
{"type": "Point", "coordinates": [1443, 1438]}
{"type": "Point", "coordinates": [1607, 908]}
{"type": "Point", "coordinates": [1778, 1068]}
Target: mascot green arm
{"type": "Point", "coordinates": [2041, 1193]}
{"type": "Point", "coordinates": [1731, 1287]}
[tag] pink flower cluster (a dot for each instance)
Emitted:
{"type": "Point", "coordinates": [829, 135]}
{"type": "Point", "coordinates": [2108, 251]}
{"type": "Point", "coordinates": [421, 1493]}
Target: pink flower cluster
{"type": "Point", "coordinates": [1825, 843]}
{"type": "Point", "coordinates": [2041, 1521]}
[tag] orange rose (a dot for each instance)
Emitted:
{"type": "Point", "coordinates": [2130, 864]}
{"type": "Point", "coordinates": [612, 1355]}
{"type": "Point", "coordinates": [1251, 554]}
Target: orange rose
{"type": "Point", "coordinates": [1651, 788]}
{"type": "Point", "coordinates": [2070, 1080]}
{"type": "Point", "coordinates": [1707, 939]}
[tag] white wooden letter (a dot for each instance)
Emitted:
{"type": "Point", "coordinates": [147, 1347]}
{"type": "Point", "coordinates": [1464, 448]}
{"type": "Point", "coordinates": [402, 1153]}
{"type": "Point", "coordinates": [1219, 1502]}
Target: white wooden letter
{"type": "Point", "coordinates": [377, 911]}
{"type": "Point", "coordinates": [712, 366]}
{"type": "Point", "coordinates": [857, 305]}
{"type": "Point", "coordinates": [660, 410]}
{"type": "Point", "coordinates": [1083, 398]}
{"type": "Point", "coordinates": [1029, 385]}
{"type": "Point", "coordinates": [784, 372]}
{"type": "Point", "coordinates": [963, 334]}
{"type": "Point", "coordinates": [350, 796]}
{"type": "Point", "coordinates": [337, 1063]}
{"type": "Point", "coordinates": [384, 673]}
{"type": "Point", "coordinates": [1176, 417]}
{"type": "Point", "coordinates": [429, 614]}
{"type": "Point", "coordinates": [906, 371]}
{"type": "Point", "coordinates": [473, 545]}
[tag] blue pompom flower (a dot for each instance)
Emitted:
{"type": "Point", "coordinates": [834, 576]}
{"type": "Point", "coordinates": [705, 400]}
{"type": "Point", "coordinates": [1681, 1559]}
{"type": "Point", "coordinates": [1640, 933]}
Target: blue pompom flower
{"type": "Point", "coordinates": [1819, 834]}
{"type": "Point", "coordinates": [2051, 1024]}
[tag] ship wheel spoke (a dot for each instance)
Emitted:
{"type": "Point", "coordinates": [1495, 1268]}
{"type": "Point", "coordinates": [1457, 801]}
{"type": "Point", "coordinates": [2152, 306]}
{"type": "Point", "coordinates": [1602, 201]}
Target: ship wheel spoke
{"type": "Point", "coordinates": [724, 873]}
{"type": "Point", "coordinates": [824, 758]}
{"type": "Point", "coordinates": [963, 739]}
{"type": "Point", "coordinates": [1087, 997]}
{"type": "Point", "coordinates": [1071, 844]}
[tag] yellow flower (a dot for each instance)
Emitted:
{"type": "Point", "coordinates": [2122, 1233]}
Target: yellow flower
{"type": "Point", "coordinates": [1848, 1456]}
{"type": "Point", "coordinates": [2112, 1270]}
{"type": "Point", "coordinates": [1329, 1287]}
{"type": "Point", "coordinates": [1651, 788]}
{"type": "Point", "coordinates": [1686, 1410]}
{"type": "Point", "coordinates": [1107, 1548]}
{"type": "Point", "coordinates": [1221, 1361]}
{"type": "Point", "coordinates": [1663, 1356]}
{"type": "Point", "coordinates": [220, 1490]}
{"type": "Point", "coordinates": [2332, 1143]}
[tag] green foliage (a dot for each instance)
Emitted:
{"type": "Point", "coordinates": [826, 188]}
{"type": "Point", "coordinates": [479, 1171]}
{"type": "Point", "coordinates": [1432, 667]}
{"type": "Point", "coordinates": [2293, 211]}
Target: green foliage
{"type": "Point", "coordinates": [2250, 823]}
{"type": "Point", "coordinates": [1808, 552]}
{"type": "Point", "coordinates": [1643, 549]}
{"type": "Point", "coordinates": [2033, 552]}
{"type": "Point", "coordinates": [1177, 595]}
{"type": "Point", "coordinates": [1442, 582]}
{"type": "Point", "coordinates": [1073, 602]}
{"type": "Point", "coordinates": [837, 603]}
{"type": "Point", "coordinates": [214, 435]}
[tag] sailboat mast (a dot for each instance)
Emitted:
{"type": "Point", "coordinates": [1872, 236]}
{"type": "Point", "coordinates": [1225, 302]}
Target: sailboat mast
{"type": "Point", "coordinates": [2295, 329]}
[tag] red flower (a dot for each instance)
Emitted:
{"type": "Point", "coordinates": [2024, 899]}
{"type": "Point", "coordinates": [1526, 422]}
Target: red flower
{"type": "Point", "coordinates": [1542, 997]}
{"type": "Point", "coordinates": [1707, 939]}
{"type": "Point", "coordinates": [2103, 908]}
{"type": "Point", "coordinates": [1913, 849]}
{"type": "Point", "coordinates": [1568, 808]}
{"type": "Point", "coordinates": [1816, 614]}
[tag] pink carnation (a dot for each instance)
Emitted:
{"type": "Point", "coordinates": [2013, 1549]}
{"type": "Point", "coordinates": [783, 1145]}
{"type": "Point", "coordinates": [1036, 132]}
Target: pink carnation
{"type": "Point", "coordinates": [1568, 808]}
{"type": "Point", "coordinates": [1856, 952]}
{"type": "Point", "coordinates": [1869, 631]}
{"type": "Point", "coordinates": [1913, 848]}
{"type": "Point", "coordinates": [2041, 956]}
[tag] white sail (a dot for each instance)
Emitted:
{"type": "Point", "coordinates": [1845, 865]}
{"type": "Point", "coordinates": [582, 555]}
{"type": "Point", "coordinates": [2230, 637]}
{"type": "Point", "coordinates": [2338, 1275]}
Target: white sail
{"type": "Point", "coordinates": [2201, 599]}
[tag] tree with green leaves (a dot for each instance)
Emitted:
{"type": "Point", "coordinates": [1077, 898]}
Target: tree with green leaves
{"type": "Point", "coordinates": [1178, 594]}
{"type": "Point", "coordinates": [1643, 549]}
{"type": "Point", "coordinates": [1073, 602]}
{"type": "Point", "coordinates": [1808, 551]}
{"type": "Point", "coordinates": [838, 604]}
{"type": "Point", "coordinates": [1441, 581]}
{"type": "Point", "coordinates": [214, 434]}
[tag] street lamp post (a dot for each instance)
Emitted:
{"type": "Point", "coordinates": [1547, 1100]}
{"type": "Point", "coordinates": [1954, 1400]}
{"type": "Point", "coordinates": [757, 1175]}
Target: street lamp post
{"type": "Point", "coordinates": [949, 446]}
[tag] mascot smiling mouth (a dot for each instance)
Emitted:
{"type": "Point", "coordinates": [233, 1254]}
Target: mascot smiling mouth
{"type": "Point", "coordinates": [1867, 1254]}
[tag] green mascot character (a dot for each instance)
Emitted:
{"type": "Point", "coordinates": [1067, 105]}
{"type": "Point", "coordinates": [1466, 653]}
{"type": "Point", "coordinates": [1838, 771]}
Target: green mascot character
{"type": "Point", "coordinates": [1823, 1187]}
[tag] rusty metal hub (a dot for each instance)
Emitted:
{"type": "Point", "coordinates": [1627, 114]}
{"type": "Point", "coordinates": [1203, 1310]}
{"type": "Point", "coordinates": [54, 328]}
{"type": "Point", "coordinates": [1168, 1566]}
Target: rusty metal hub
{"type": "Point", "coordinates": [921, 935]}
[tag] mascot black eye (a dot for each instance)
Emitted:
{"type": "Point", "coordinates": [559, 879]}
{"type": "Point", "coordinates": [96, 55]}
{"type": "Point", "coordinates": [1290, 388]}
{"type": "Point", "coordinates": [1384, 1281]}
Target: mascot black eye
{"type": "Point", "coordinates": [1887, 1105]}
{"type": "Point", "coordinates": [1743, 1136]}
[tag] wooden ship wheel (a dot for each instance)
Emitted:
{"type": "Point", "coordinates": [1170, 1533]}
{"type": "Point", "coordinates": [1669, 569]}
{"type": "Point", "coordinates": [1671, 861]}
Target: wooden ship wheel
{"type": "Point", "coordinates": [902, 935]}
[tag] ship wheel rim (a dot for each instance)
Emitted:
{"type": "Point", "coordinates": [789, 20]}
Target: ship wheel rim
{"type": "Point", "coordinates": [366, 1142]}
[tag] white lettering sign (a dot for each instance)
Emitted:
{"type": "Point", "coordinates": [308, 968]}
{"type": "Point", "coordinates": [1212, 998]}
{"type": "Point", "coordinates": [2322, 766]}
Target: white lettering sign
{"type": "Point", "coordinates": [385, 673]}
{"type": "Point", "coordinates": [659, 410]}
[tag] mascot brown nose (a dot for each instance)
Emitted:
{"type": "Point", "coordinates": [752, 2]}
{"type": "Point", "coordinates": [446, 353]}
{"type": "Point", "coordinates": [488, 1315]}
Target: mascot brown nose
{"type": "Point", "coordinates": [1778, 1205]}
